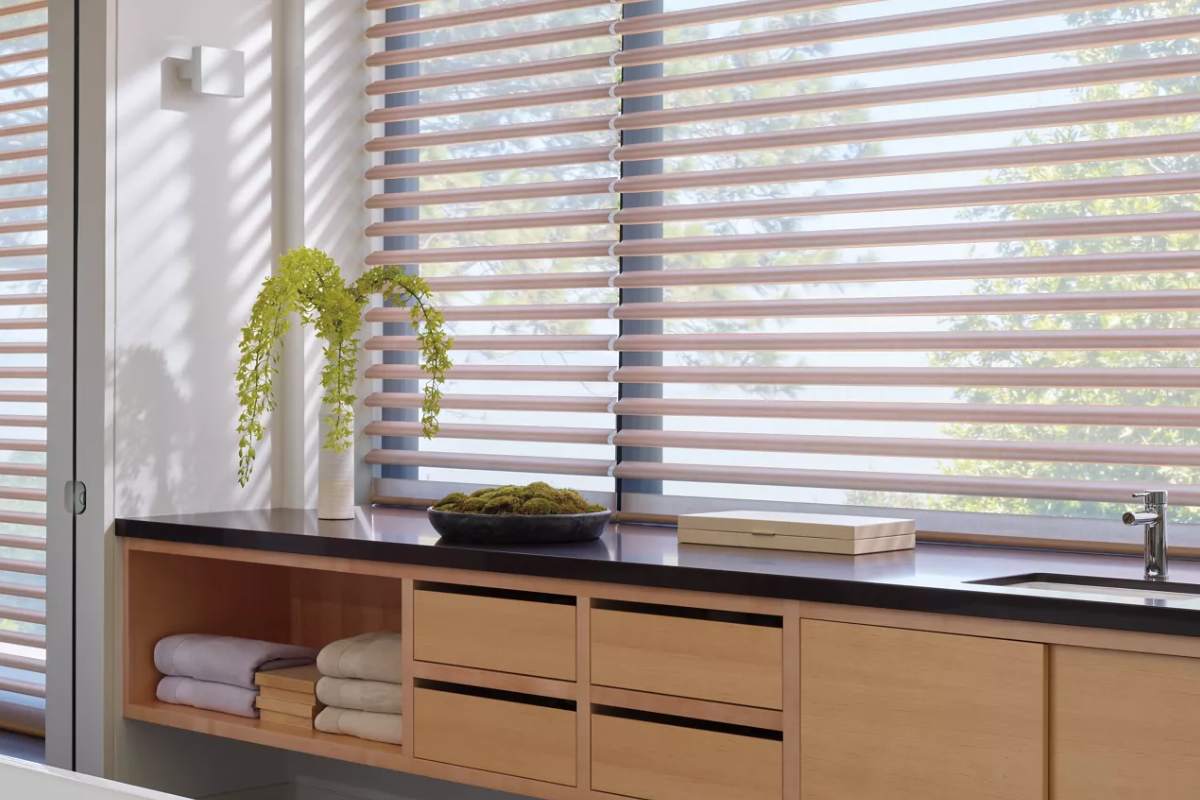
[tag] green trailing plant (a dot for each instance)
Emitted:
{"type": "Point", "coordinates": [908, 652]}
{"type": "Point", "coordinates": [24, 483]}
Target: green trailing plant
{"type": "Point", "coordinates": [310, 286]}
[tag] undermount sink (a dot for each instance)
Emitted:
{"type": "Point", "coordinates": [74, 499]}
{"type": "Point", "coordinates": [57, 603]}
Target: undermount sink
{"type": "Point", "coordinates": [1151, 593]}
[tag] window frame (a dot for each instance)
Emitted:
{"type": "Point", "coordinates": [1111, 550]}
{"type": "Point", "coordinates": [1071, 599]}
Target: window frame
{"type": "Point", "coordinates": [643, 499]}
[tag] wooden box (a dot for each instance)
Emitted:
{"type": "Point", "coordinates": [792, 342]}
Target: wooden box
{"type": "Point", "coordinates": [299, 682]}
{"type": "Point", "coordinates": [308, 711]}
{"type": "Point", "coordinates": [815, 533]}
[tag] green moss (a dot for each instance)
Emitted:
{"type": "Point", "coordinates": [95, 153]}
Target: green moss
{"type": "Point", "coordinates": [536, 499]}
{"type": "Point", "coordinates": [450, 501]}
{"type": "Point", "coordinates": [502, 504]}
{"type": "Point", "coordinates": [472, 505]}
{"type": "Point", "coordinates": [538, 505]}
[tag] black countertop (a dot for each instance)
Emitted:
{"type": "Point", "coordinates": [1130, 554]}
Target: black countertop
{"type": "Point", "coordinates": [933, 577]}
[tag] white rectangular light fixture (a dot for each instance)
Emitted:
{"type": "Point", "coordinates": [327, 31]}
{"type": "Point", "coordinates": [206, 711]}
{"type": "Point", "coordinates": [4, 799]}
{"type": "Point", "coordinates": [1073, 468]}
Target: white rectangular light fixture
{"type": "Point", "coordinates": [215, 71]}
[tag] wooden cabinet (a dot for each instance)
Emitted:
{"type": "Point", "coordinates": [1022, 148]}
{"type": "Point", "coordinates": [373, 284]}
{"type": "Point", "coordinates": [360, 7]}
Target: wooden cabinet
{"type": "Point", "coordinates": [891, 714]}
{"type": "Point", "coordinates": [506, 634]}
{"type": "Point", "coordinates": [728, 662]}
{"type": "Point", "coordinates": [1124, 725]}
{"type": "Point", "coordinates": [565, 690]}
{"type": "Point", "coordinates": [658, 761]}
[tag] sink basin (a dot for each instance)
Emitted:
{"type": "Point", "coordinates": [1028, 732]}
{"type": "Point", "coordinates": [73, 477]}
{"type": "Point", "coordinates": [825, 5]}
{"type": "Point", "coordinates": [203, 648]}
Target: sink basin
{"type": "Point", "coordinates": [1151, 593]}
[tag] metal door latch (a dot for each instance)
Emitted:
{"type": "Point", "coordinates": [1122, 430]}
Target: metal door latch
{"type": "Point", "coordinates": [76, 497]}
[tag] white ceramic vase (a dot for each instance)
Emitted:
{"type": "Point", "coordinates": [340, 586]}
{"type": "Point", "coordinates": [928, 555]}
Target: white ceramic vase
{"type": "Point", "coordinates": [335, 484]}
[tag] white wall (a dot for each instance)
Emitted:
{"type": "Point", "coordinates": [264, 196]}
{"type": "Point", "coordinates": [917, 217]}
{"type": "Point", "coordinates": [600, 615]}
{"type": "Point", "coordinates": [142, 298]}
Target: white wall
{"type": "Point", "coordinates": [196, 231]}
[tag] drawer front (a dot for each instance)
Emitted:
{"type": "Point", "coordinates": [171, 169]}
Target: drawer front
{"type": "Point", "coordinates": [526, 637]}
{"type": "Point", "coordinates": [513, 738]}
{"type": "Point", "coordinates": [658, 761]}
{"type": "Point", "coordinates": [723, 661]}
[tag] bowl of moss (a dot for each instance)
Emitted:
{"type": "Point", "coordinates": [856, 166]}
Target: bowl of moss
{"type": "Point", "coordinates": [534, 514]}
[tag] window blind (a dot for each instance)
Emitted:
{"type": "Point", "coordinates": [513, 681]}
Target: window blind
{"type": "Point", "coordinates": [490, 121]}
{"type": "Point", "coordinates": [23, 128]}
{"type": "Point", "coordinates": [932, 255]}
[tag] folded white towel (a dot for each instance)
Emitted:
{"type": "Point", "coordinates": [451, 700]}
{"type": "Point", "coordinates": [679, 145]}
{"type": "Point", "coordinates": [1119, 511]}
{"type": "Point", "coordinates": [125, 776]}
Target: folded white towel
{"type": "Point", "coordinates": [369, 656]}
{"type": "Point", "coordinates": [225, 659]}
{"type": "Point", "coordinates": [362, 724]}
{"type": "Point", "coordinates": [349, 693]}
{"type": "Point", "coordinates": [205, 694]}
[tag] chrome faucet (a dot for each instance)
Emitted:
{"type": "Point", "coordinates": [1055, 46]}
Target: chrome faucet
{"type": "Point", "coordinates": [1154, 519]}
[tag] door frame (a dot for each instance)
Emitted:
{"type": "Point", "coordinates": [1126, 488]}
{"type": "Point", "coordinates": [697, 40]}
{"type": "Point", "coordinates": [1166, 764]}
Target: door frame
{"type": "Point", "coordinates": [80, 557]}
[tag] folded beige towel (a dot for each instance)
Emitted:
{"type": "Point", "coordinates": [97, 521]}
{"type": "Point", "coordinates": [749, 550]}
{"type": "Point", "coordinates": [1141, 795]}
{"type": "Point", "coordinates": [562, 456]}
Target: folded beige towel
{"type": "Point", "coordinates": [376, 696]}
{"type": "Point", "coordinates": [362, 724]}
{"type": "Point", "coordinates": [369, 657]}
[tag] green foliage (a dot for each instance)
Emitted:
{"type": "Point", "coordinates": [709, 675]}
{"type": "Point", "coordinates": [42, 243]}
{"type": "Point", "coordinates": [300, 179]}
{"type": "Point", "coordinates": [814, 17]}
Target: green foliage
{"type": "Point", "coordinates": [1164, 435]}
{"type": "Point", "coordinates": [1156, 435]}
{"type": "Point", "coordinates": [310, 285]}
{"type": "Point", "coordinates": [536, 499]}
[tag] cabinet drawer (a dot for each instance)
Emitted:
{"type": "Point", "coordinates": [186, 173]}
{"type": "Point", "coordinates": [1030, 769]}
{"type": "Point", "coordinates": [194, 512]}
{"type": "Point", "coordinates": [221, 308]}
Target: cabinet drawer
{"type": "Point", "coordinates": [686, 656]}
{"type": "Point", "coordinates": [506, 634]}
{"type": "Point", "coordinates": [497, 735]}
{"type": "Point", "coordinates": [658, 761]}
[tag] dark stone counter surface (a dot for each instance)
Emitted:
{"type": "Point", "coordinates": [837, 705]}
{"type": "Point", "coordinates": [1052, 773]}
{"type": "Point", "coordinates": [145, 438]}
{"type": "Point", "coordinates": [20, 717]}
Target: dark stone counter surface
{"type": "Point", "coordinates": [933, 577]}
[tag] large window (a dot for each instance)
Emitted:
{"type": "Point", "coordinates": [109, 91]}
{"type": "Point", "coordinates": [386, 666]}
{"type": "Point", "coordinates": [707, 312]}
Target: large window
{"type": "Point", "coordinates": [936, 255]}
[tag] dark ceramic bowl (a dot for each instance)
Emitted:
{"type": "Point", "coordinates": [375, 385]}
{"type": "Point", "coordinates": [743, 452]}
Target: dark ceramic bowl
{"type": "Point", "coordinates": [459, 528]}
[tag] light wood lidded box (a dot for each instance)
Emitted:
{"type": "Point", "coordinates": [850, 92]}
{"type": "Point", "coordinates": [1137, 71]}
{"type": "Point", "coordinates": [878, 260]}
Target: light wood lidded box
{"type": "Point", "coordinates": [298, 680]}
{"type": "Point", "coordinates": [814, 533]}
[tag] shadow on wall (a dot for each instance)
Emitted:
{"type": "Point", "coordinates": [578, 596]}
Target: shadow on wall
{"type": "Point", "coordinates": [156, 424]}
{"type": "Point", "coordinates": [196, 235]}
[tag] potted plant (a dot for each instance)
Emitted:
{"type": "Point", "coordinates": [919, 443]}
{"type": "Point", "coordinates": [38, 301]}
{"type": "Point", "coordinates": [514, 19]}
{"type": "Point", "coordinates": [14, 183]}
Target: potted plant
{"type": "Point", "coordinates": [310, 285]}
{"type": "Point", "coordinates": [535, 513]}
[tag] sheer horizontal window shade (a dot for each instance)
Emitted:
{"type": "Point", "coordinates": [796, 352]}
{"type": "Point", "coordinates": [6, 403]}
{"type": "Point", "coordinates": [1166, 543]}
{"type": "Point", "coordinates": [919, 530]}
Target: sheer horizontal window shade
{"type": "Point", "coordinates": [23, 130]}
{"type": "Point", "coordinates": [942, 258]}
{"type": "Point", "coordinates": [447, 69]}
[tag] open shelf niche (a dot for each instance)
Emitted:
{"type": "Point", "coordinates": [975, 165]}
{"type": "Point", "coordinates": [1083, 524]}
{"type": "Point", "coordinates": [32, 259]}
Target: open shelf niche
{"type": "Point", "coordinates": [169, 594]}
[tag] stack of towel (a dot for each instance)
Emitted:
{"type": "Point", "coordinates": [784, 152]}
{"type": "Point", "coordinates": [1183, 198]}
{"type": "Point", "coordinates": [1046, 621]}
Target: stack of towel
{"type": "Point", "coordinates": [217, 672]}
{"type": "Point", "coordinates": [360, 687]}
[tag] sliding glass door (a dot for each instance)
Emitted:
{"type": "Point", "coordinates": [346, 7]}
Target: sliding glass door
{"type": "Point", "coordinates": [38, 366]}
{"type": "Point", "coordinates": [24, 129]}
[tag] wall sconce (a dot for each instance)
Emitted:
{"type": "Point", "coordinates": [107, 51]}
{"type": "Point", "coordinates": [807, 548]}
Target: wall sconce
{"type": "Point", "coordinates": [215, 71]}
